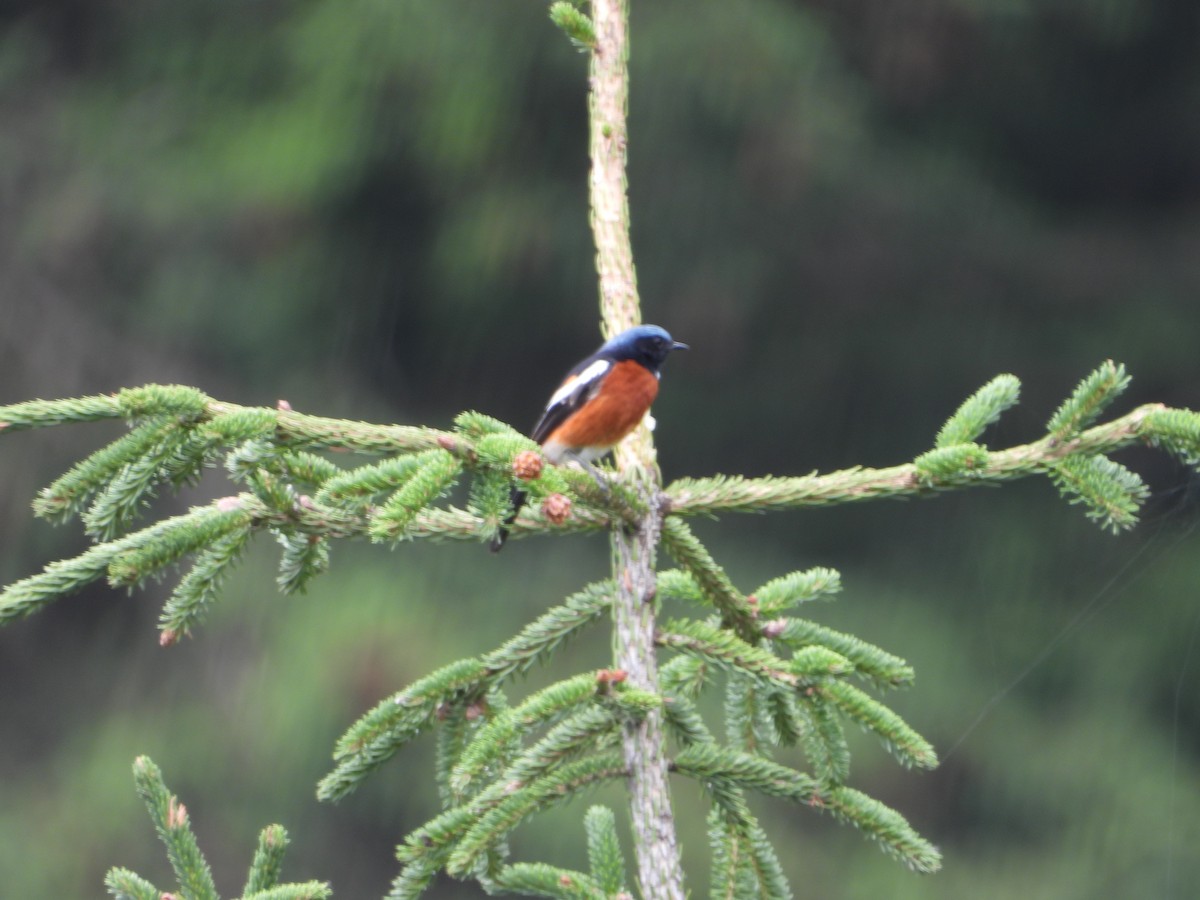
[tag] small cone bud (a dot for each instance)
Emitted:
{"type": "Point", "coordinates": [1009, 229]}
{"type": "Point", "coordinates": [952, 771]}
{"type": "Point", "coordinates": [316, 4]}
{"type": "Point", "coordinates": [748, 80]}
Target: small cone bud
{"type": "Point", "coordinates": [556, 508]}
{"type": "Point", "coordinates": [527, 465]}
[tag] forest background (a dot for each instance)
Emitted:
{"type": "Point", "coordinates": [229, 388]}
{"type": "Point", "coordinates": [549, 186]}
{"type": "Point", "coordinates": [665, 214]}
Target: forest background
{"type": "Point", "coordinates": [855, 212]}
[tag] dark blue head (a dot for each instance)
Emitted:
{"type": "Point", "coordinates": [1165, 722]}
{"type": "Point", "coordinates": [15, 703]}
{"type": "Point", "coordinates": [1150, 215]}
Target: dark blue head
{"type": "Point", "coordinates": [646, 344]}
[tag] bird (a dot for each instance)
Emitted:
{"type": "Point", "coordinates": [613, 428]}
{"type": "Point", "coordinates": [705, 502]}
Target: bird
{"type": "Point", "coordinates": [600, 401]}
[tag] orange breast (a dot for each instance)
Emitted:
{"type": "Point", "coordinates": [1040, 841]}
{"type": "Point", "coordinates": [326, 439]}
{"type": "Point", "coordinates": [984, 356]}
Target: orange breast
{"type": "Point", "coordinates": [623, 401]}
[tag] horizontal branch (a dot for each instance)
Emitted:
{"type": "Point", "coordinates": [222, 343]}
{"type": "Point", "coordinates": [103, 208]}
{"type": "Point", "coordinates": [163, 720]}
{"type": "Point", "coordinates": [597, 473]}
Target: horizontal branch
{"type": "Point", "coordinates": [293, 428]}
{"type": "Point", "coordinates": [697, 496]}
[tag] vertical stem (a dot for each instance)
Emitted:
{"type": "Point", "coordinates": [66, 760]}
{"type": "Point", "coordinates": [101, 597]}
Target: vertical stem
{"type": "Point", "coordinates": [608, 108]}
{"type": "Point", "coordinates": [660, 874]}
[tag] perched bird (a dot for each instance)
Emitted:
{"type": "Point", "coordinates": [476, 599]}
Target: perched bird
{"type": "Point", "coordinates": [600, 401]}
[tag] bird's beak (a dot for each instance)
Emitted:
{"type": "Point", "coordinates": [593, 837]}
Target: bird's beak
{"type": "Point", "coordinates": [680, 345]}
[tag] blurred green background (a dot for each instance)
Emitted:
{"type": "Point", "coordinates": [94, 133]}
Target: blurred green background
{"type": "Point", "coordinates": [855, 212]}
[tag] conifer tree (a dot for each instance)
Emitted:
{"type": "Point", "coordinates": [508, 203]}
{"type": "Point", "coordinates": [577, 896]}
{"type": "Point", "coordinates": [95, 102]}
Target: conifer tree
{"type": "Point", "coordinates": [786, 679]}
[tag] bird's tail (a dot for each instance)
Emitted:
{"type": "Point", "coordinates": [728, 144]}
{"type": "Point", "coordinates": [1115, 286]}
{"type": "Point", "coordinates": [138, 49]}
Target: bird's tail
{"type": "Point", "coordinates": [517, 498]}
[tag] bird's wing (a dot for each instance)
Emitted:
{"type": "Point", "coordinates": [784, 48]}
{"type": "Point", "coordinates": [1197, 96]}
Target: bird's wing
{"type": "Point", "coordinates": [577, 389]}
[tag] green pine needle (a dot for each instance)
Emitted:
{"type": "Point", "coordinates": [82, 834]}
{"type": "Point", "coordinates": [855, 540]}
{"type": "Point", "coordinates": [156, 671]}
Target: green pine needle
{"type": "Point", "coordinates": [542, 880]}
{"type": "Point", "coordinates": [126, 885]}
{"type": "Point", "coordinates": [560, 785]}
{"type": "Point", "coordinates": [796, 587]}
{"type": "Point", "coordinates": [70, 493]}
{"type": "Point", "coordinates": [605, 859]}
{"type": "Point", "coordinates": [540, 708]}
{"type": "Point", "coordinates": [538, 640]}
{"type": "Point", "coordinates": [726, 650]}
{"type": "Point", "coordinates": [678, 584]}
{"type": "Point", "coordinates": [979, 411]}
{"type": "Point", "coordinates": [950, 466]}
{"type": "Point", "coordinates": [686, 722]}
{"type": "Point", "coordinates": [124, 497]}
{"type": "Point", "coordinates": [414, 879]}
{"type": "Point", "coordinates": [357, 487]}
{"type": "Point", "coordinates": [187, 403]}
{"type": "Point", "coordinates": [66, 576]}
{"type": "Point", "coordinates": [200, 588]}
{"type": "Point", "coordinates": [475, 425]}
{"type": "Point", "coordinates": [44, 413]}
{"type": "Point", "coordinates": [304, 557]}
{"type": "Point", "coordinates": [1112, 493]}
{"type": "Point", "coordinates": [687, 550]}
{"type": "Point", "coordinates": [884, 825]}
{"type": "Point", "coordinates": [900, 740]}
{"type": "Point", "coordinates": [683, 676]}
{"type": "Point", "coordinates": [378, 735]}
{"type": "Point", "coordinates": [824, 741]}
{"type": "Point", "coordinates": [705, 762]}
{"type": "Point", "coordinates": [577, 26]}
{"type": "Point", "coordinates": [1175, 430]}
{"type": "Point", "coordinates": [189, 533]}
{"type": "Point", "coordinates": [869, 661]}
{"type": "Point", "coordinates": [268, 859]}
{"type": "Point", "coordinates": [309, 890]}
{"type": "Point", "coordinates": [1088, 400]}
{"type": "Point", "coordinates": [434, 475]}
{"type": "Point", "coordinates": [171, 820]}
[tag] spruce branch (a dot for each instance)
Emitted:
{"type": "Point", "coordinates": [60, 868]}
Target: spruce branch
{"type": "Point", "coordinates": [714, 584]}
{"type": "Point", "coordinates": [605, 859]}
{"type": "Point", "coordinates": [709, 763]}
{"type": "Point", "coordinates": [686, 723]}
{"type": "Point", "coordinates": [705, 762]}
{"type": "Point", "coordinates": [539, 708]}
{"type": "Point", "coordinates": [577, 26]}
{"type": "Point", "coordinates": [1177, 431]}
{"type": "Point", "coordinates": [120, 500]}
{"type": "Point", "coordinates": [70, 493]}
{"type": "Point", "coordinates": [304, 557]}
{"type": "Point", "coordinates": [684, 676]}
{"type": "Point", "coordinates": [901, 741]}
{"type": "Point", "coordinates": [726, 650]}
{"type": "Point", "coordinates": [542, 880]}
{"type": "Point", "coordinates": [126, 885]}
{"type": "Point", "coordinates": [979, 411]}
{"type": "Point", "coordinates": [290, 429]}
{"type": "Point", "coordinates": [200, 588]}
{"type": "Point", "coordinates": [869, 661]}
{"type": "Point", "coordinates": [786, 591]}
{"type": "Point", "coordinates": [557, 787]}
{"type": "Point", "coordinates": [268, 859]}
{"type": "Point", "coordinates": [376, 737]}
{"type": "Point", "coordinates": [1112, 493]}
{"type": "Point", "coordinates": [696, 496]}
{"type": "Point", "coordinates": [588, 730]}
{"type": "Point", "coordinates": [548, 632]}
{"type": "Point", "coordinates": [432, 475]}
{"type": "Point", "coordinates": [884, 825]}
{"type": "Point", "coordinates": [171, 820]}
{"type": "Point", "coordinates": [949, 466]}
{"type": "Point", "coordinates": [165, 545]}
{"type": "Point", "coordinates": [309, 890]}
{"type": "Point", "coordinates": [1088, 400]}
{"type": "Point", "coordinates": [67, 576]}
{"type": "Point", "coordinates": [824, 741]}
{"type": "Point", "coordinates": [413, 879]}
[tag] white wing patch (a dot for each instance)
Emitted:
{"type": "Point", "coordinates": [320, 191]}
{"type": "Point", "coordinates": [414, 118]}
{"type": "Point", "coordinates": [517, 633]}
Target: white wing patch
{"type": "Point", "coordinates": [571, 385]}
